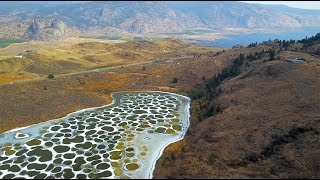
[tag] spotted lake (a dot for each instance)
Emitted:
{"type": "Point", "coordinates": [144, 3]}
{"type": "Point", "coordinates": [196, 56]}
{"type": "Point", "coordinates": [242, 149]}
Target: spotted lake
{"type": "Point", "coordinates": [120, 140]}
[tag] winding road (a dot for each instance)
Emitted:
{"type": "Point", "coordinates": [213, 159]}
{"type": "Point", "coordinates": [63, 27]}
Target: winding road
{"type": "Point", "coordinates": [89, 71]}
{"type": "Point", "coordinates": [76, 73]}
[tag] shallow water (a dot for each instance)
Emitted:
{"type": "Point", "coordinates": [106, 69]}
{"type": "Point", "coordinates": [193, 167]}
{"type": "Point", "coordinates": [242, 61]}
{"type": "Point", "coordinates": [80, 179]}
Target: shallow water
{"type": "Point", "coordinates": [120, 140]}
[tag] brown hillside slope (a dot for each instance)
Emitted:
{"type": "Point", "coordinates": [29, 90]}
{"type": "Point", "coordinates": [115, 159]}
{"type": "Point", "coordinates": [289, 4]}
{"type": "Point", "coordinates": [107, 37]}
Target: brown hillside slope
{"type": "Point", "coordinates": [28, 102]}
{"type": "Point", "coordinates": [269, 128]}
{"type": "Point", "coordinates": [89, 55]}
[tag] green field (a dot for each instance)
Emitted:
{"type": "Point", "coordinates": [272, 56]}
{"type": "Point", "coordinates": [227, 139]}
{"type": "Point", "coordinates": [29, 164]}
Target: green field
{"type": "Point", "coordinates": [6, 42]}
{"type": "Point", "coordinates": [193, 32]}
{"type": "Point", "coordinates": [153, 39]}
{"type": "Point", "coordinates": [104, 37]}
{"type": "Point", "coordinates": [124, 38]}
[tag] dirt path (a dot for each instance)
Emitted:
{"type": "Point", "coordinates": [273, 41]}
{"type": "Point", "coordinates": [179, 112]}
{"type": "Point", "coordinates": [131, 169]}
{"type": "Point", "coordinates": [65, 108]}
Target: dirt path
{"type": "Point", "coordinates": [96, 70]}
{"type": "Point", "coordinates": [26, 58]}
{"type": "Point", "coordinates": [77, 73]}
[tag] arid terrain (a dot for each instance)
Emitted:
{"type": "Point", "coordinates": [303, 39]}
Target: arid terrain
{"type": "Point", "coordinates": [267, 125]}
{"type": "Point", "coordinates": [39, 59]}
{"type": "Point", "coordinates": [269, 128]}
{"type": "Point", "coordinates": [261, 120]}
{"type": "Point", "coordinates": [41, 99]}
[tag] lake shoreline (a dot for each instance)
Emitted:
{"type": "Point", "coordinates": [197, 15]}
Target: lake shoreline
{"type": "Point", "coordinates": [118, 98]}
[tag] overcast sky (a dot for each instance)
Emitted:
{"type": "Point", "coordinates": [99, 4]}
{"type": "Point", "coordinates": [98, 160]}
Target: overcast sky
{"type": "Point", "coordinates": [295, 4]}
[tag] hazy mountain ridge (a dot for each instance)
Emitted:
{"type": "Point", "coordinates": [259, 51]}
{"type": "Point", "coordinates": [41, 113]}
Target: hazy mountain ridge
{"type": "Point", "coordinates": [100, 17]}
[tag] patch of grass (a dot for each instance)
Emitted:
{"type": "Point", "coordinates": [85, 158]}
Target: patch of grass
{"type": "Point", "coordinates": [192, 32]}
{"type": "Point", "coordinates": [50, 76]}
{"type": "Point", "coordinates": [154, 39]}
{"type": "Point", "coordinates": [102, 37]}
{"type": "Point", "coordinates": [6, 42]}
{"type": "Point", "coordinates": [212, 159]}
{"type": "Point", "coordinates": [126, 38]}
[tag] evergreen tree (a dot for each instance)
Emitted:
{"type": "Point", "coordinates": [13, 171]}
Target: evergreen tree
{"type": "Point", "coordinates": [272, 54]}
{"type": "Point", "coordinates": [50, 76]}
{"type": "Point", "coordinates": [175, 80]}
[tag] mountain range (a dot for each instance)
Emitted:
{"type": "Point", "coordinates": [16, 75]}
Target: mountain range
{"type": "Point", "coordinates": [46, 20]}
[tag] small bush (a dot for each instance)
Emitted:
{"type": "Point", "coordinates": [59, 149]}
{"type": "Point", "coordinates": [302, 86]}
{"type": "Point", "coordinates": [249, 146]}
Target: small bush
{"type": "Point", "coordinates": [272, 54]}
{"type": "Point", "coordinates": [212, 159]}
{"type": "Point", "coordinates": [195, 94]}
{"type": "Point", "coordinates": [50, 76]}
{"type": "Point", "coordinates": [175, 80]}
{"type": "Point", "coordinates": [189, 132]}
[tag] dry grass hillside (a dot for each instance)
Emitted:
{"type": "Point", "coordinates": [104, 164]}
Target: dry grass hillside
{"type": "Point", "coordinates": [260, 119]}
{"type": "Point", "coordinates": [27, 102]}
{"type": "Point", "coordinates": [268, 126]}
{"type": "Point", "coordinates": [12, 68]}
{"type": "Point", "coordinates": [17, 48]}
{"type": "Point", "coordinates": [86, 56]}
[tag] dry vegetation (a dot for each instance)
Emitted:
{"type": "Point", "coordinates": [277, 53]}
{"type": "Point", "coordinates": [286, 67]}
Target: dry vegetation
{"type": "Point", "coordinates": [13, 69]}
{"type": "Point", "coordinates": [268, 126]}
{"type": "Point", "coordinates": [44, 99]}
{"type": "Point", "coordinates": [86, 56]}
{"type": "Point", "coordinates": [10, 70]}
{"type": "Point", "coordinates": [17, 48]}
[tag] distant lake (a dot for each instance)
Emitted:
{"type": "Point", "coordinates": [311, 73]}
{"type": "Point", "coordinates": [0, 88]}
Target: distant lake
{"type": "Point", "coordinates": [245, 39]}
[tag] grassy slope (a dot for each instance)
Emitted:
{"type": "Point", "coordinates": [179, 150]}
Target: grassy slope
{"type": "Point", "coordinates": [6, 42]}
{"type": "Point", "coordinates": [268, 128]}
{"type": "Point", "coordinates": [83, 56]}
{"type": "Point", "coordinates": [53, 98]}
{"type": "Point", "coordinates": [124, 38]}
